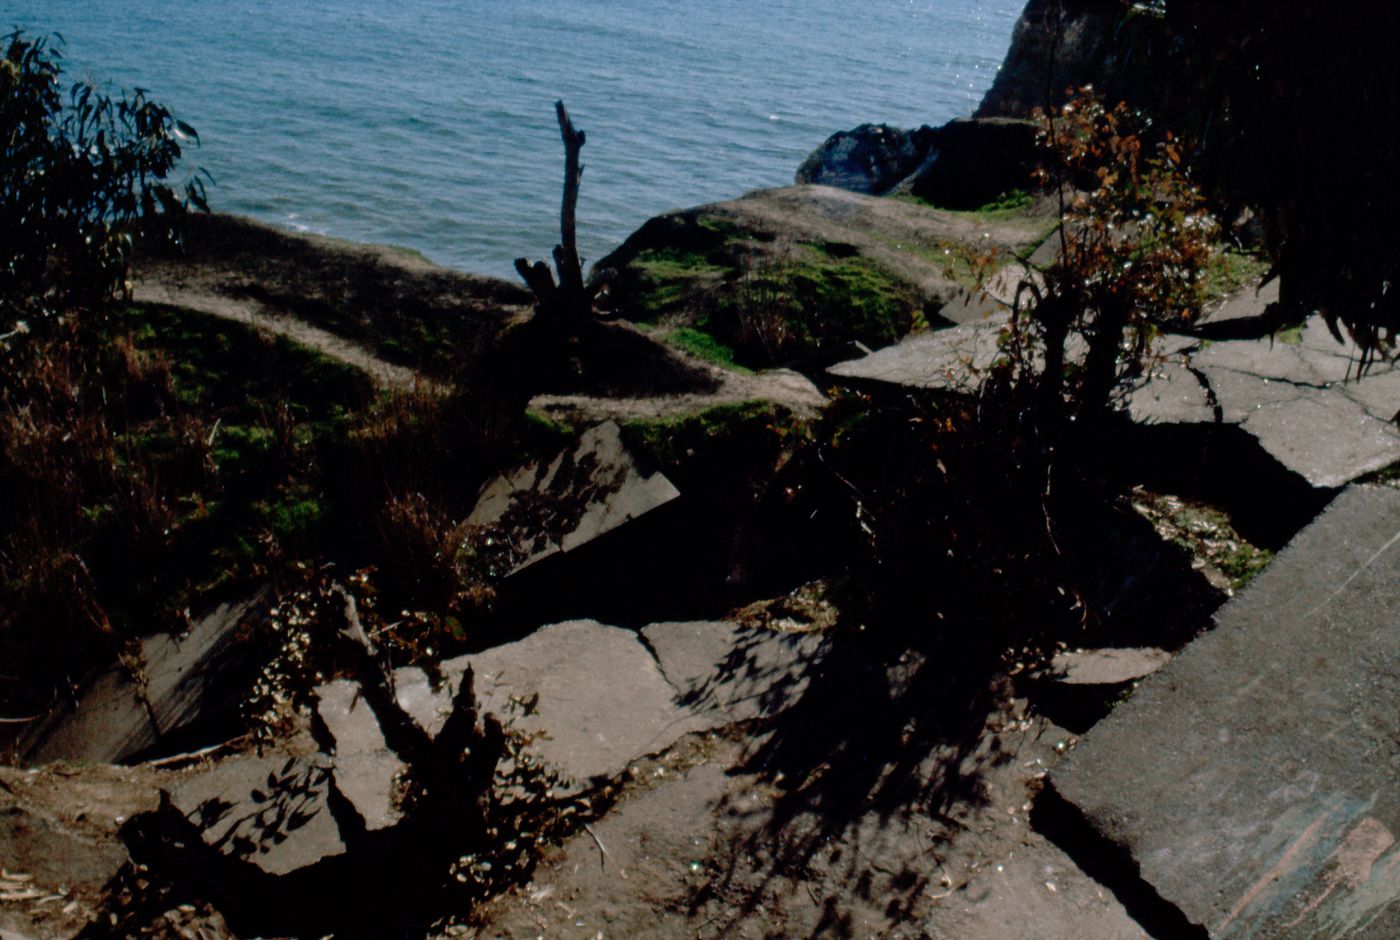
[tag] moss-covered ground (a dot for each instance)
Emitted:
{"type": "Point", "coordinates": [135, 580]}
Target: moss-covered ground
{"type": "Point", "coordinates": [738, 303]}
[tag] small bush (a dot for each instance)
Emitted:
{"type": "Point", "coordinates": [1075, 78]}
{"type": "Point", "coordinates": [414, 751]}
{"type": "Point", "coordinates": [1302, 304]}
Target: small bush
{"type": "Point", "coordinates": [83, 176]}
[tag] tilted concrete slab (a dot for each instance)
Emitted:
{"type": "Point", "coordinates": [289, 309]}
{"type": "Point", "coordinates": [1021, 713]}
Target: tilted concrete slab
{"type": "Point", "coordinates": [607, 696]}
{"type": "Point", "coordinates": [944, 360]}
{"type": "Point", "coordinates": [115, 719]}
{"type": "Point", "coordinates": [1116, 666]}
{"type": "Point", "coordinates": [547, 508]}
{"type": "Point", "coordinates": [366, 771]}
{"type": "Point", "coordinates": [1300, 395]}
{"type": "Point", "coordinates": [600, 700]}
{"type": "Point", "coordinates": [1253, 780]}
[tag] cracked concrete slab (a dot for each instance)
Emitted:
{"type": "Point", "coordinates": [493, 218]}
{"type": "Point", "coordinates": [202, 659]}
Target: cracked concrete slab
{"type": "Point", "coordinates": [1299, 394]}
{"type": "Point", "coordinates": [602, 700]}
{"type": "Point", "coordinates": [1037, 892]}
{"type": "Point", "coordinates": [365, 770]}
{"type": "Point", "coordinates": [1252, 780]}
{"type": "Point", "coordinates": [1325, 437]}
{"type": "Point", "coordinates": [730, 672]}
{"type": "Point", "coordinates": [944, 360]}
{"type": "Point", "coordinates": [1112, 666]}
{"type": "Point", "coordinates": [724, 851]}
{"type": "Point", "coordinates": [273, 813]}
{"type": "Point", "coordinates": [582, 494]}
{"type": "Point", "coordinates": [607, 696]}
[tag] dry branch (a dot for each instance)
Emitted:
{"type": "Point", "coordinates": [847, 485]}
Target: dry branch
{"type": "Point", "coordinates": [567, 301]}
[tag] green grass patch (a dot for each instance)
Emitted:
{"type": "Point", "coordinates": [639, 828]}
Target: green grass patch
{"type": "Point", "coordinates": [1008, 205]}
{"type": "Point", "coordinates": [239, 466]}
{"type": "Point", "coordinates": [543, 435]}
{"type": "Point", "coordinates": [950, 255]}
{"type": "Point", "coordinates": [236, 371]}
{"type": "Point", "coordinates": [666, 263]}
{"type": "Point", "coordinates": [842, 298]}
{"type": "Point", "coordinates": [663, 280]}
{"type": "Point", "coordinates": [691, 441]}
{"type": "Point", "coordinates": [1233, 271]}
{"type": "Point", "coordinates": [742, 307]}
{"type": "Point", "coordinates": [725, 228]}
{"type": "Point", "coordinates": [1206, 533]}
{"type": "Point", "coordinates": [1386, 476]}
{"type": "Point", "coordinates": [699, 343]}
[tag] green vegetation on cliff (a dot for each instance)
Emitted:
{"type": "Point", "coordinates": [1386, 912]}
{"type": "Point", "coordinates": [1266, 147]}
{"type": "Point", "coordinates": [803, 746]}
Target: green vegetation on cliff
{"type": "Point", "coordinates": [758, 305]}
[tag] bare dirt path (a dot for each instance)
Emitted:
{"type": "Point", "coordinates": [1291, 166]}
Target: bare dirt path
{"type": "Point", "coordinates": [781, 386]}
{"type": "Point", "coordinates": [257, 315]}
{"type": "Point", "coordinates": [370, 307]}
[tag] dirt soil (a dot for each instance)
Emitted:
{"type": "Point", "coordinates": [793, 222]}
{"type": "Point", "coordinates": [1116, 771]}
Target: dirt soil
{"type": "Point", "coordinates": [59, 841]}
{"type": "Point", "coordinates": [351, 301]}
{"type": "Point", "coordinates": [713, 840]}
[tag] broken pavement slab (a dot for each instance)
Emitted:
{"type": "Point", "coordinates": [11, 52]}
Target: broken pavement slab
{"type": "Point", "coordinates": [601, 696]}
{"type": "Point", "coordinates": [697, 833]}
{"type": "Point", "coordinates": [948, 360]}
{"type": "Point", "coordinates": [274, 813]}
{"type": "Point", "coordinates": [556, 507]}
{"type": "Point", "coordinates": [731, 671]}
{"type": "Point", "coordinates": [1037, 893]}
{"type": "Point", "coordinates": [602, 702]}
{"type": "Point", "coordinates": [1252, 781]}
{"type": "Point", "coordinates": [366, 771]}
{"type": "Point", "coordinates": [1115, 666]}
{"type": "Point", "coordinates": [1298, 394]}
{"type": "Point", "coordinates": [116, 720]}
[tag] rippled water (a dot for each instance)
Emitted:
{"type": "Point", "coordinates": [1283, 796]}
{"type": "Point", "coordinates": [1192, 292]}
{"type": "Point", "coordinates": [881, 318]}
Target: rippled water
{"type": "Point", "coordinates": [430, 123]}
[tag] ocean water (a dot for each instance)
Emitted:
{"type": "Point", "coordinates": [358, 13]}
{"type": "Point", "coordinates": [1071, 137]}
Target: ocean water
{"type": "Point", "coordinates": [430, 123]}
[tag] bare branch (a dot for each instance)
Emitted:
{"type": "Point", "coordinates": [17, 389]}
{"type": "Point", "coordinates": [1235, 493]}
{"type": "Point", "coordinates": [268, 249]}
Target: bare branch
{"type": "Point", "coordinates": [566, 255]}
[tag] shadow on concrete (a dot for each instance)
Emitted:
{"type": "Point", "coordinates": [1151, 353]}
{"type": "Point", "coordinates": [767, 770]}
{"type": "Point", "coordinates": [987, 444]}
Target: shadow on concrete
{"type": "Point", "coordinates": [1224, 466]}
{"type": "Point", "coordinates": [879, 747]}
{"type": "Point", "coordinates": [1111, 866]}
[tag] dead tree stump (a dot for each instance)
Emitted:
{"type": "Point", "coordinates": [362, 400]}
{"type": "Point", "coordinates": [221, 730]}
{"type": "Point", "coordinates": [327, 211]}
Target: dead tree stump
{"type": "Point", "coordinates": [565, 305]}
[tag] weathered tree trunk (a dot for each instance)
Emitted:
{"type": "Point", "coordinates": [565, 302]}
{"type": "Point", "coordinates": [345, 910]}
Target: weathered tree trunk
{"type": "Point", "coordinates": [568, 303]}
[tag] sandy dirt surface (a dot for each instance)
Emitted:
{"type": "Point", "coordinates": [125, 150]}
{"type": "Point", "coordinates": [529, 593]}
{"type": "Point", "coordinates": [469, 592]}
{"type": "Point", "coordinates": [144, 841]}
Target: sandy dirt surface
{"type": "Point", "coordinates": [708, 843]}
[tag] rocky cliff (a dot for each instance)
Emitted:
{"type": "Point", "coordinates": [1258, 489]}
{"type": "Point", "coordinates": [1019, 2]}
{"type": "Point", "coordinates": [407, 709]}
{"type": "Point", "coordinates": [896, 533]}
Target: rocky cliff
{"type": "Point", "coordinates": [1128, 53]}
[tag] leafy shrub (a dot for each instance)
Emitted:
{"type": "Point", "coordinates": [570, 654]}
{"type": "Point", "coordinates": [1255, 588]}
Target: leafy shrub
{"type": "Point", "coordinates": [1135, 240]}
{"type": "Point", "coordinates": [82, 177]}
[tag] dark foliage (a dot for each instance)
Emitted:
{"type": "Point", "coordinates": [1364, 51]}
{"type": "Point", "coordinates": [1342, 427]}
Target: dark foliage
{"type": "Point", "coordinates": [82, 176]}
{"type": "Point", "coordinates": [1300, 129]}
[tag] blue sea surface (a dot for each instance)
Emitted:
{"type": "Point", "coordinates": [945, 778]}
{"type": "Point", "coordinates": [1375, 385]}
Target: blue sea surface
{"type": "Point", "coordinates": [430, 123]}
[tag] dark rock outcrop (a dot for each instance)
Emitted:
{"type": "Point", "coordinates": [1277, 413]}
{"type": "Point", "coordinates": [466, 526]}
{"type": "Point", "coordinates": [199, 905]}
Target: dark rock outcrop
{"type": "Point", "coordinates": [872, 159]}
{"type": "Point", "coordinates": [975, 161]}
{"type": "Point", "coordinates": [964, 164]}
{"type": "Point", "coordinates": [1061, 44]}
{"type": "Point", "coordinates": [1056, 44]}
